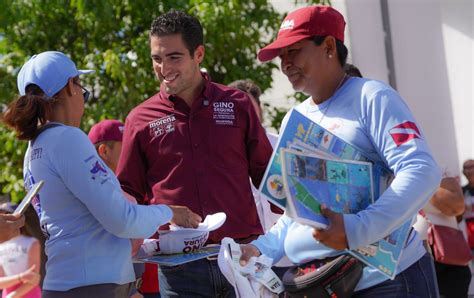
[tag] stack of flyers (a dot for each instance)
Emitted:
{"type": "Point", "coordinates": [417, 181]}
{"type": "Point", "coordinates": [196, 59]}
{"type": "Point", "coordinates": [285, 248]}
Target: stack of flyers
{"type": "Point", "coordinates": [307, 145]}
{"type": "Point", "coordinates": [344, 186]}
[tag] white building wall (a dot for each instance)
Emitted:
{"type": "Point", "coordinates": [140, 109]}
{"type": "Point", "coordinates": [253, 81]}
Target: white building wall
{"type": "Point", "coordinates": [421, 69]}
{"type": "Point", "coordinates": [365, 37]}
{"type": "Point", "coordinates": [458, 36]}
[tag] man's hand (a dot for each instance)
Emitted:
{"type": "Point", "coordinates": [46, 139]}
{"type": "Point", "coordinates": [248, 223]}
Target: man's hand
{"type": "Point", "coordinates": [334, 236]}
{"type": "Point", "coordinates": [184, 217]}
{"type": "Point", "coordinates": [248, 251]}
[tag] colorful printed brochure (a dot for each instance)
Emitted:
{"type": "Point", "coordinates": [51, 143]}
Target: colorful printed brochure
{"type": "Point", "coordinates": [304, 135]}
{"type": "Point", "coordinates": [384, 254]}
{"type": "Point", "coordinates": [181, 258]}
{"type": "Point", "coordinates": [310, 180]}
{"type": "Point", "coordinates": [308, 135]}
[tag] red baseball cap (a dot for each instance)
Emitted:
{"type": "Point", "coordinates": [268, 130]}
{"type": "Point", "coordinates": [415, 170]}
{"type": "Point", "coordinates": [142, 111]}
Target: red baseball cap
{"type": "Point", "coordinates": [316, 20]}
{"type": "Point", "coordinates": [106, 130]}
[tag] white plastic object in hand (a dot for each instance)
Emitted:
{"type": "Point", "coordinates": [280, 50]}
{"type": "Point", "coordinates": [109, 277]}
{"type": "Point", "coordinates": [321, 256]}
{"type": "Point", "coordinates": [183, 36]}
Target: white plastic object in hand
{"type": "Point", "coordinates": [211, 222]}
{"type": "Point", "coordinates": [185, 240]}
{"type": "Point", "coordinates": [150, 247]}
{"type": "Point", "coordinates": [180, 241]}
{"type": "Point", "coordinates": [255, 279]}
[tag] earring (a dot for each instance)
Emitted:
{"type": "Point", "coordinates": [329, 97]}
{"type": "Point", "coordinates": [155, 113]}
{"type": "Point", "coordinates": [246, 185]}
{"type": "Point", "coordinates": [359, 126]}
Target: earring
{"type": "Point", "coordinates": [330, 56]}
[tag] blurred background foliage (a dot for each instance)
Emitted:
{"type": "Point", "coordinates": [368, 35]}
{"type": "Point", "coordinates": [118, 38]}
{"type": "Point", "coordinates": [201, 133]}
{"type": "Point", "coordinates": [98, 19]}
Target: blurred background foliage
{"type": "Point", "coordinates": [111, 36]}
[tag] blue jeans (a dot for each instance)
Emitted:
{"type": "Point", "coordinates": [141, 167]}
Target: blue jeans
{"type": "Point", "coordinates": [201, 278]}
{"type": "Point", "coordinates": [92, 291]}
{"type": "Point", "coordinates": [418, 280]}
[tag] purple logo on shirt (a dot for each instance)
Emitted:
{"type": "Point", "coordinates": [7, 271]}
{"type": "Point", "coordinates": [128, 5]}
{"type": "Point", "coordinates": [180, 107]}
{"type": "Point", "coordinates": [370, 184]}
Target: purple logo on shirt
{"type": "Point", "coordinates": [98, 170]}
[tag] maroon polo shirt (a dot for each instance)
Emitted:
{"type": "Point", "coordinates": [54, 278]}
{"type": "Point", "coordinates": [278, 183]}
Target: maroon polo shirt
{"type": "Point", "coordinates": [200, 157]}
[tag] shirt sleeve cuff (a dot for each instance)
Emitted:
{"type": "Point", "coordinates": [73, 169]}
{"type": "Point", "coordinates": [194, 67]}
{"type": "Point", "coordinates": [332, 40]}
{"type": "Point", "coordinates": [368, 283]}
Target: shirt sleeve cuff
{"type": "Point", "coordinates": [260, 247]}
{"type": "Point", "coordinates": [167, 213]}
{"type": "Point", "coordinates": [351, 223]}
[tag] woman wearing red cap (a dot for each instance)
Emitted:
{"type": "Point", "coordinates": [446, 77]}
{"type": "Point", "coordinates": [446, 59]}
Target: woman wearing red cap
{"type": "Point", "coordinates": [372, 117]}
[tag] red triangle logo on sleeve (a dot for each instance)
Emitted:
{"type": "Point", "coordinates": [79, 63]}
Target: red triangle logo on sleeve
{"type": "Point", "coordinates": [404, 132]}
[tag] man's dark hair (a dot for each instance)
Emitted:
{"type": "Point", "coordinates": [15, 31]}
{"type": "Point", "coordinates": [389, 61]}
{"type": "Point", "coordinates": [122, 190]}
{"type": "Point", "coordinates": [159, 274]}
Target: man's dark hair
{"type": "Point", "coordinates": [340, 48]}
{"type": "Point", "coordinates": [178, 22]}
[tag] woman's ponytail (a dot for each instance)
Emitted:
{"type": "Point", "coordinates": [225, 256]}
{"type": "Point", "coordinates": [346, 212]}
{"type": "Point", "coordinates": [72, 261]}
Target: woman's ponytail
{"type": "Point", "coordinates": [27, 114]}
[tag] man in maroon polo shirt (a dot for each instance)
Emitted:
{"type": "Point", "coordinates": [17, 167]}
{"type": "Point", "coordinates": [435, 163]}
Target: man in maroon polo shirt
{"type": "Point", "coordinates": [194, 143]}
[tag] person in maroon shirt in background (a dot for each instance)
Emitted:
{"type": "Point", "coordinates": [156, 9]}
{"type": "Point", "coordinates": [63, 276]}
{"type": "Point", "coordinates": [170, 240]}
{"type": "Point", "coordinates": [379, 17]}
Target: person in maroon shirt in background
{"type": "Point", "coordinates": [194, 143]}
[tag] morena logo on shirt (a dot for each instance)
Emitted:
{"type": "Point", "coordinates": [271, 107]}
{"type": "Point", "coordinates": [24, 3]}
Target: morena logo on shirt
{"type": "Point", "coordinates": [162, 125]}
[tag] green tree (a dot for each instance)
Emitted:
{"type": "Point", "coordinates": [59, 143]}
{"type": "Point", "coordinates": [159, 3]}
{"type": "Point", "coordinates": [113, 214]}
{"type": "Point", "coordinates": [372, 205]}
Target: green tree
{"type": "Point", "coordinates": [111, 37]}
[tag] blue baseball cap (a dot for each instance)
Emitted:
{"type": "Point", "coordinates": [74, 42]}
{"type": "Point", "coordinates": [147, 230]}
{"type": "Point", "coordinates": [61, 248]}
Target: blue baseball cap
{"type": "Point", "coordinates": [49, 70]}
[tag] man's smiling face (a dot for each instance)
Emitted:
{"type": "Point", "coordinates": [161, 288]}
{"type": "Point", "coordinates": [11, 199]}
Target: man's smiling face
{"type": "Point", "coordinates": [174, 65]}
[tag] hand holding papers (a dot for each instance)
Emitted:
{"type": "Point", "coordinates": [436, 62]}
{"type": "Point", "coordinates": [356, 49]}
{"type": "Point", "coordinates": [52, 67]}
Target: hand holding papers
{"type": "Point", "coordinates": [311, 180]}
{"type": "Point", "coordinates": [181, 258]}
{"type": "Point", "coordinates": [185, 240]}
{"type": "Point", "coordinates": [334, 235]}
{"type": "Point", "coordinates": [182, 245]}
{"type": "Point", "coordinates": [320, 169]}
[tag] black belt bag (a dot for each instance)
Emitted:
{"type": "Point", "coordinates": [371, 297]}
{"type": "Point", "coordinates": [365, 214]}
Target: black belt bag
{"type": "Point", "coordinates": [330, 277]}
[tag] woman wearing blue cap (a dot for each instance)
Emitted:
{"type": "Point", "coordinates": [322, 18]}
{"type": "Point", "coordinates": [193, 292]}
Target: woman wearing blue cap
{"type": "Point", "coordinates": [83, 213]}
